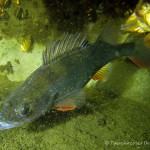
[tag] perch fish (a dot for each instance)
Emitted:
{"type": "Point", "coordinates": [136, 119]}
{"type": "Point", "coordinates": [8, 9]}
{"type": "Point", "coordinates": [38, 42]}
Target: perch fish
{"type": "Point", "coordinates": [68, 65]}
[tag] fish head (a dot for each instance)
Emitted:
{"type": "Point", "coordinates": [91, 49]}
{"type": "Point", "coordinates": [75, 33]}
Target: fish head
{"type": "Point", "coordinates": [21, 107]}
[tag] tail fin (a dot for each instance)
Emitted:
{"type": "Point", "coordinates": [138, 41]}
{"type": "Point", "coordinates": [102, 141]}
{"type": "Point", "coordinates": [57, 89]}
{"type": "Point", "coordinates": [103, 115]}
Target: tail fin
{"type": "Point", "coordinates": [137, 51]}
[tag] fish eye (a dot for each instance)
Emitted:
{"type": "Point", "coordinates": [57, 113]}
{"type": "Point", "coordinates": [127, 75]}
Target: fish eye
{"type": "Point", "coordinates": [25, 110]}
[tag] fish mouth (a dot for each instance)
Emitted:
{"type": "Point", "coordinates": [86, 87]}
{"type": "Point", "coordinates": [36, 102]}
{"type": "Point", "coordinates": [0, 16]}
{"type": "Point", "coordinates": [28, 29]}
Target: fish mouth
{"type": "Point", "coordinates": [5, 125]}
{"type": "Point", "coordinates": [8, 125]}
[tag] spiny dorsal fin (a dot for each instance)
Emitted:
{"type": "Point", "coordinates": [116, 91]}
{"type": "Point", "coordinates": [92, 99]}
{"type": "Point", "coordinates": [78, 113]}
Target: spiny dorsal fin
{"type": "Point", "coordinates": [67, 43]}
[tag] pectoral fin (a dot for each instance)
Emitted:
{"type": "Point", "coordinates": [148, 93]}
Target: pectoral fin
{"type": "Point", "coordinates": [103, 73]}
{"type": "Point", "coordinates": [71, 101]}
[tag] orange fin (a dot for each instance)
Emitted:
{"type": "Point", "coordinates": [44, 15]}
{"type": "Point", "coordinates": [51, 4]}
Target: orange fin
{"type": "Point", "coordinates": [65, 108]}
{"type": "Point", "coordinates": [102, 74]}
{"type": "Point", "coordinates": [71, 101]}
{"type": "Point", "coordinates": [65, 105]}
{"type": "Point", "coordinates": [139, 63]}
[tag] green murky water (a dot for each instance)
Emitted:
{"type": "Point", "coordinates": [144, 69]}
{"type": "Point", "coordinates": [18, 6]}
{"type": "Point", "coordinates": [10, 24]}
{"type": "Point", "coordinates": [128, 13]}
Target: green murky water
{"type": "Point", "coordinates": [116, 114]}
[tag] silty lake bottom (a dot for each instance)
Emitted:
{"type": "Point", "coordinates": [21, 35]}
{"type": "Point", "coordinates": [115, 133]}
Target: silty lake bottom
{"type": "Point", "coordinates": [116, 112]}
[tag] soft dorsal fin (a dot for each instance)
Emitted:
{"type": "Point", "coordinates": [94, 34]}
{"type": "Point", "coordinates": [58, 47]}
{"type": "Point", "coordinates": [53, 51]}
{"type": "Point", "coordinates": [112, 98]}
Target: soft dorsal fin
{"type": "Point", "coordinates": [67, 43]}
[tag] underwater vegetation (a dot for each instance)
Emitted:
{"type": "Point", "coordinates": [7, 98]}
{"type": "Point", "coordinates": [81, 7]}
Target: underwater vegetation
{"type": "Point", "coordinates": [119, 8]}
{"type": "Point", "coordinates": [139, 22]}
{"type": "Point", "coordinates": [72, 15]}
{"type": "Point", "coordinates": [21, 18]}
{"type": "Point", "coordinates": [4, 3]}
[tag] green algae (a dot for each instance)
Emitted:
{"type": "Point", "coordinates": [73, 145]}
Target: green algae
{"type": "Point", "coordinates": [6, 68]}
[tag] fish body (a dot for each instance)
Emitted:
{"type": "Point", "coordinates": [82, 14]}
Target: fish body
{"type": "Point", "coordinates": [67, 67]}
